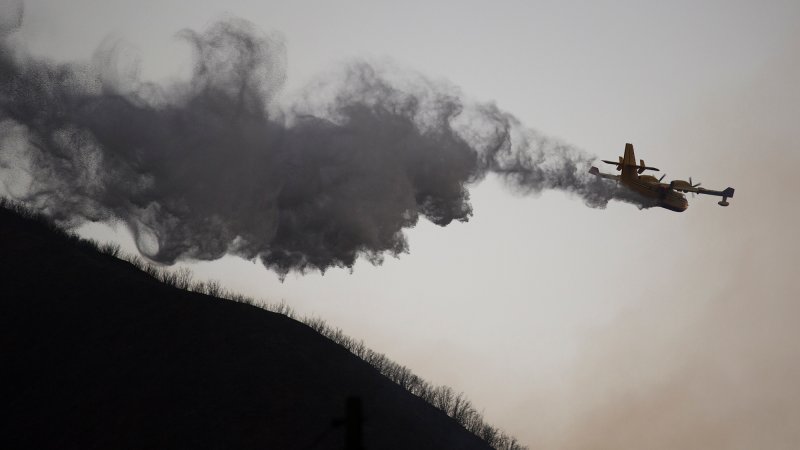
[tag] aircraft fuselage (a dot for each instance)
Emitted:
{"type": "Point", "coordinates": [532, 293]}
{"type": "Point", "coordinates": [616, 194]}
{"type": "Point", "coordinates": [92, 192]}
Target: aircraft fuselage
{"type": "Point", "coordinates": [649, 186]}
{"type": "Point", "coordinates": [666, 197]}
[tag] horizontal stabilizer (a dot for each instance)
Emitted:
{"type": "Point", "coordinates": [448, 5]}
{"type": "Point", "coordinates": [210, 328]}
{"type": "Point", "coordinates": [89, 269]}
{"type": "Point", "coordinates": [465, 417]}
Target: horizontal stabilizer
{"type": "Point", "coordinates": [637, 166]}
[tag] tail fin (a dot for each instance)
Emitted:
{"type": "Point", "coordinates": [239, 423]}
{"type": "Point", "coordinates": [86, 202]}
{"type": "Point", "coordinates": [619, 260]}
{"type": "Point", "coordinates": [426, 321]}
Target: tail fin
{"type": "Point", "coordinates": [629, 163]}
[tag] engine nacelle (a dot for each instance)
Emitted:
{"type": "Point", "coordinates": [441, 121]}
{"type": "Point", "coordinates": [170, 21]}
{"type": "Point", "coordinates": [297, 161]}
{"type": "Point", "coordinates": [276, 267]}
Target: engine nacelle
{"type": "Point", "coordinates": [679, 185]}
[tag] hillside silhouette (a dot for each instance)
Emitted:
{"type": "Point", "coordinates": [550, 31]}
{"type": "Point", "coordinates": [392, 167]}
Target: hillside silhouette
{"type": "Point", "coordinates": [99, 354]}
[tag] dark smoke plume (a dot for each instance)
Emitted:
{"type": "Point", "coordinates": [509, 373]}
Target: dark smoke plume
{"type": "Point", "coordinates": [217, 165]}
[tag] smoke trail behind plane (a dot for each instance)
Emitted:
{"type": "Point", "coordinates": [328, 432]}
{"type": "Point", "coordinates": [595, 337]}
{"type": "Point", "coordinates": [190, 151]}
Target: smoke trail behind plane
{"type": "Point", "coordinates": [215, 164]}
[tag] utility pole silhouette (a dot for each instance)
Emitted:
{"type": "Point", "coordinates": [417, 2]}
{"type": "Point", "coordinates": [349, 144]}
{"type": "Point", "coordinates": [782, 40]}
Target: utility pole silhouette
{"type": "Point", "coordinates": [352, 424]}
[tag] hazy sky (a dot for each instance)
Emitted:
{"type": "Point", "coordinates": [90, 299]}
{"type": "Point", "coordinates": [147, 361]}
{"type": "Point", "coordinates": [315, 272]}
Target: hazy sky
{"type": "Point", "coordinates": [570, 327]}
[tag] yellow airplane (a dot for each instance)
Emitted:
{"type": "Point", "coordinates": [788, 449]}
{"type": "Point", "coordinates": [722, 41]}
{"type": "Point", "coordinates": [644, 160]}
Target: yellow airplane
{"type": "Point", "coordinates": [667, 195]}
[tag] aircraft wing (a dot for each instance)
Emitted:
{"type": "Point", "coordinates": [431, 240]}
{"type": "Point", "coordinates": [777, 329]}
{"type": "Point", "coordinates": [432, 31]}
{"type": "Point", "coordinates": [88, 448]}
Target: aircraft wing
{"type": "Point", "coordinates": [725, 194]}
{"type": "Point", "coordinates": [698, 190]}
{"type": "Point", "coordinates": [595, 171]}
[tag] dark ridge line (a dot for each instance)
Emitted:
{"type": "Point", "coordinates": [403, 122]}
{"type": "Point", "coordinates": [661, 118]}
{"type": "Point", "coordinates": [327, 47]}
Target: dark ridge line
{"type": "Point", "coordinates": [454, 404]}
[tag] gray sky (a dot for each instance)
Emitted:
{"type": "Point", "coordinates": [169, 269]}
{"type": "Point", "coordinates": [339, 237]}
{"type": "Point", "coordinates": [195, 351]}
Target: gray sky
{"type": "Point", "coordinates": [571, 327]}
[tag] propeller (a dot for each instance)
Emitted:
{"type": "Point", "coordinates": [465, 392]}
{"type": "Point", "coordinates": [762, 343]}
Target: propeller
{"type": "Point", "coordinates": [693, 185]}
